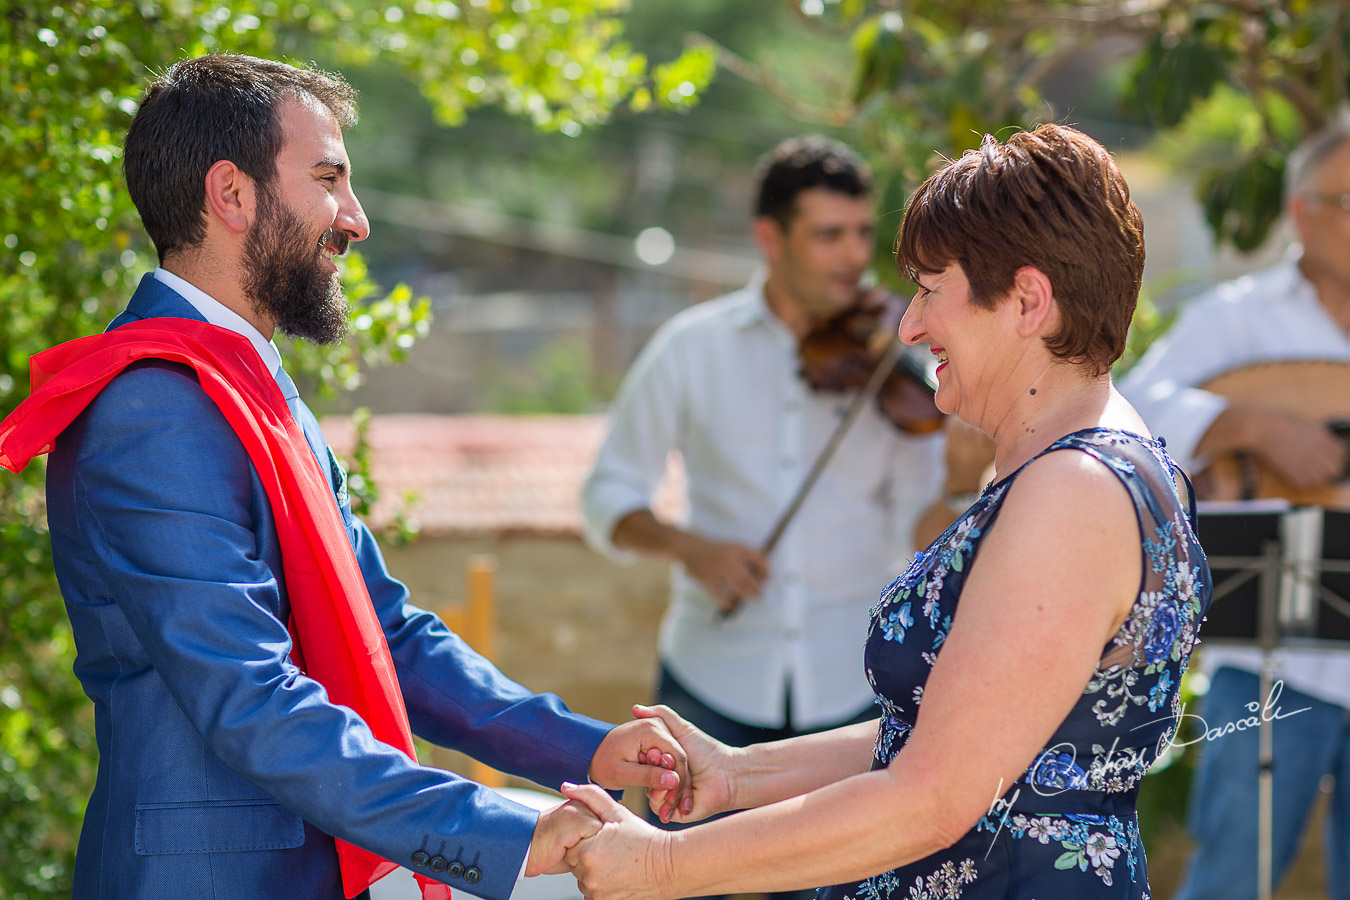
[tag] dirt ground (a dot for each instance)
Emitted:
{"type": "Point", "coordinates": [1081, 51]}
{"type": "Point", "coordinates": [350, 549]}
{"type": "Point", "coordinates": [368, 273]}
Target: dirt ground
{"type": "Point", "coordinates": [570, 622]}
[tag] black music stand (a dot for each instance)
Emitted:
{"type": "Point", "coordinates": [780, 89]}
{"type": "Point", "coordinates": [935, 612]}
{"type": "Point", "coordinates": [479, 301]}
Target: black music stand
{"type": "Point", "coordinates": [1280, 578]}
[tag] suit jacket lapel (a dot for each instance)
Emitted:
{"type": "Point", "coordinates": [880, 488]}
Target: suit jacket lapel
{"type": "Point", "coordinates": [154, 299]}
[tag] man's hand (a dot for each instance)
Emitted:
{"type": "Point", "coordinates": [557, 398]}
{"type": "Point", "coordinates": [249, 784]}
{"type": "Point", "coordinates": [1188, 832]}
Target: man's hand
{"type": "Point", "coordinates": [558, 830]}
{"type": "Point", "coordinates": [642, 753]}
{"type": "Point", "coordinates": [627, 859]}
{"type": "Point", "coordinates": [729, 572]}
{"type": "Point", "coordinates": [1303, 452]}
{"type": "Point", "coordinates": [709, 768]}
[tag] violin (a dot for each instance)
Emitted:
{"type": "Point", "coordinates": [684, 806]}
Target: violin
{"type": "Point", "coordinates": [840, 354]}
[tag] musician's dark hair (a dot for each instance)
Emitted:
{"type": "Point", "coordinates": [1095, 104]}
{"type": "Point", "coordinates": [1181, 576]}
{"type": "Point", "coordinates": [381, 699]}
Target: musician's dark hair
{"type": "Point", "coordinates": [205, 109]}
{"type": "Point", "coordinates": [1051, 198]}
{"type": "Point", "coordinates": [802, 163]}
{"type": "Point", "coordinates": [1312, 152]}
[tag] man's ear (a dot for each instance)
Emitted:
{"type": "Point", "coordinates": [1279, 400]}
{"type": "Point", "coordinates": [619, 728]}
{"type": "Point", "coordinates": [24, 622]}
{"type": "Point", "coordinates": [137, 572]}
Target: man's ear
{"type": "Point", "coordinates": [1033, 297]}
{"type": "Point", "coordinates": [1299, 209]}
{"type": "Point", "coordinates": [770, 236]}
{"type": "Point", "coordinates": [230, 195]}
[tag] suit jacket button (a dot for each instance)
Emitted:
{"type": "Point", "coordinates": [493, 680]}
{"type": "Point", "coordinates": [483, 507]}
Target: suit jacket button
{"type": "Point", "coordinates": [438, 863]}
{"type": "Point", "coordinates": [456, 869]}
{"type": "Point", "coordinates": [420, 858]}
{"type": "Point", "coordinates": [473, 875]}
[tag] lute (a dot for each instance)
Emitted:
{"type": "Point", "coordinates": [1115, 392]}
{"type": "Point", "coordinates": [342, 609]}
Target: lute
{"type": "Point", "coordinates": [1316, 388]}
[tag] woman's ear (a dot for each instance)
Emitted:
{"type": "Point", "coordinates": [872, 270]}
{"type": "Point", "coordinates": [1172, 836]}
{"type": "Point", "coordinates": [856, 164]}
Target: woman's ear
{"type": "Point", "coordinates": [230, 195]}
{"type": "Point", "coordinates": [1034, 297]}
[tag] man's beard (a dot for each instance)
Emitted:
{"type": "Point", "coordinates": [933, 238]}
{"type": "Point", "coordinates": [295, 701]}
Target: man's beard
{"type": "Point", "coordinates": [284, 275]}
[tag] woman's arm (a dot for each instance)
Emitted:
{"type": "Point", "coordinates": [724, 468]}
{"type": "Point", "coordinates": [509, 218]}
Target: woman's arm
{"type": "Point", "coordinates": [1051, 584]}
{"type": "Point", "coordinates": [726, 778]}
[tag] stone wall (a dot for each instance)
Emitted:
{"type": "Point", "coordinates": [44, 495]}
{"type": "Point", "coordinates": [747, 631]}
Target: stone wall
{"type": "Point", "coordinates": [568, 620]}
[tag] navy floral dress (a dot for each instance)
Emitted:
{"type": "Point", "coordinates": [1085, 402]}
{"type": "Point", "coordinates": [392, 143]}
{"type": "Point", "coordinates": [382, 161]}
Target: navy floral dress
{"type": "Point", "coordinates": [1067, 828]}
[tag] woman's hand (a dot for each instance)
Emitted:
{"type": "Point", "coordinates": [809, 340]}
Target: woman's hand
{"type": "Point", "coordinates": [642, 753]}
{"type": "Point", "coordinates": [710, 771]}
{"type": "Point", "coordinates": [626, 859]}
{"type": "Point", "coordinates": [558, 830]}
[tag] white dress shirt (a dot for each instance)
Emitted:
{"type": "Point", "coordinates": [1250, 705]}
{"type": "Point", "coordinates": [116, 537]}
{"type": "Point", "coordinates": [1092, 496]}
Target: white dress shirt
{"type": "Point", "coordinates": [1270, 315]}
{"type": "Point", "coordinates": [217, 313]}
{"type": "Point", "coordinates": [719, 383]}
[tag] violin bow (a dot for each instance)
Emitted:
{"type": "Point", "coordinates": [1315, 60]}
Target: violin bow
{"type": "Point", "coordinates": [865, 396]}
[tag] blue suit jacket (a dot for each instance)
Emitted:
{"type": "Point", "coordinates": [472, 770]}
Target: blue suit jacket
{"type": "Point", "coordinates": [223, 770]}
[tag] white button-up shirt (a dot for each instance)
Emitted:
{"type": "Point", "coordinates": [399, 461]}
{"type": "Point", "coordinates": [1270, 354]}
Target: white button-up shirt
{"type": "Point", "coordinates": [1270, 315]}
{"type": "Point", "coordinates": [719, 384]}
{"type": "Point", "coordinates": [217, 313]}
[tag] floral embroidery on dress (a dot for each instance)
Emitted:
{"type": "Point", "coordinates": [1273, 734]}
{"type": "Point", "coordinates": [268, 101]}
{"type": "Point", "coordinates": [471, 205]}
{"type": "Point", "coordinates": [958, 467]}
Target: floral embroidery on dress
{"type": "Point", "coordinates": [1127, 711]}
{"type": "Point", "coordinates": [1089, 842]}
{"type": "Point", "coordinates": [945, 883]}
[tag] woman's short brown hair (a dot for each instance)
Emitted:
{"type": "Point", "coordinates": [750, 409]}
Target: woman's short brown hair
{"type": "Point", "coordinates": [1050, 198]}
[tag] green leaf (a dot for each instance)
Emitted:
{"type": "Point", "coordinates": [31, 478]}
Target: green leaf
{"type": "Point", "coordinates": [1171, 75]}
{"type": "Point", "coordinates": [1071, 859]}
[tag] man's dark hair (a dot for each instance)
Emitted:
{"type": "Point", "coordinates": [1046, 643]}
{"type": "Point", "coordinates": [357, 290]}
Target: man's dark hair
{"type": "Point", "coordinates": [802, 163]}
{"type": "Point", "coordinates": [203, 110]}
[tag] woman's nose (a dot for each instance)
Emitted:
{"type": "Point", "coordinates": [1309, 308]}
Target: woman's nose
{"type": "Point", "coordinates": [911, 323]}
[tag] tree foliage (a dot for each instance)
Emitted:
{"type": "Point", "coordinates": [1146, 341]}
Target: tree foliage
{"type": "Point", "coordinates": [71, 72]}
{"type": "Point", "coordinates": [1237, 83]}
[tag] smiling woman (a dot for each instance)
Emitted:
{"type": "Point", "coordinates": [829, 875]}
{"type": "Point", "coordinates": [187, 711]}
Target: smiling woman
{"type": "Point", "coordinates": [1026, 662]}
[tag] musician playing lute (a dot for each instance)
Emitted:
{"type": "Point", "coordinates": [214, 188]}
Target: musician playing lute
{"type": "Point", "coordinates": [1298, 310]}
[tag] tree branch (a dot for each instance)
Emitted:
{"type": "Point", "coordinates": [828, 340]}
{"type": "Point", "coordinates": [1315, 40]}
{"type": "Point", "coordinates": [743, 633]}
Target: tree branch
{"type": "Point", "coordinates": [760, 74]}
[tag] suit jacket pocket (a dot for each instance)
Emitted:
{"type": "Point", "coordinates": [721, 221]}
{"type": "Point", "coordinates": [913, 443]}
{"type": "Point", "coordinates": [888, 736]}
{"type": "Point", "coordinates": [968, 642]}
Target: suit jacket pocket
{"type": "Point", "coordinates": [216, 826]}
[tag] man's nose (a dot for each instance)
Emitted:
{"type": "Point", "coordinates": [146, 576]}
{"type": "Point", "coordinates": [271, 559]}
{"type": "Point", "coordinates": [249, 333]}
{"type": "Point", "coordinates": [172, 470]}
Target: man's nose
{"type": "Point", "coordinates": [352, 219]}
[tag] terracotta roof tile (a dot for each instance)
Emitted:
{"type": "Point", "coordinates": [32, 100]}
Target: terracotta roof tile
{"type": "Point", "coordinates": [487, 474]}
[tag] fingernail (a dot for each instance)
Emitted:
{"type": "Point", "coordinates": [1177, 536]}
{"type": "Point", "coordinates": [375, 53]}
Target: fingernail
{"type": "Point", "coordinates": [670, 779]}
{"type": "Point", "coordinates": [568, 784]}
{"type": "Point", "coordinates": [687, 806]}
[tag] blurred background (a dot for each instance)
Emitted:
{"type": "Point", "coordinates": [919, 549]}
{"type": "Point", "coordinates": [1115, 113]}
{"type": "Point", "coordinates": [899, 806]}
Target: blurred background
{"type": "Point", "coordinates": [547, 181]}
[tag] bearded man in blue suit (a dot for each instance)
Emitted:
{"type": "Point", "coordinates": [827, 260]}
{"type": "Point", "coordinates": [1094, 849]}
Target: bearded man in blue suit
{"type": "Point", "coordinates": [225, 770]}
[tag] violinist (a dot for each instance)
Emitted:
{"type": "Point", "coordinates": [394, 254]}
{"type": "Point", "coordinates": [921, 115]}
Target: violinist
{"type": "Point", "coordinates": [760, 646]}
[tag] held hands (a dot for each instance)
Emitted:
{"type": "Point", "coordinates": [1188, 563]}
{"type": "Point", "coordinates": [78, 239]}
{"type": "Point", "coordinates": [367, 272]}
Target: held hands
{"type": "Point", "coordinates": [643, 753]}
{"type": "Point", "coordinates": [625, 858]}
{"type": "Point", "coordinates": [559, 829]}
{"type": "Point", "coordinates": [614, 854]}
{"type": "Point", "coordinates": [709, 768]}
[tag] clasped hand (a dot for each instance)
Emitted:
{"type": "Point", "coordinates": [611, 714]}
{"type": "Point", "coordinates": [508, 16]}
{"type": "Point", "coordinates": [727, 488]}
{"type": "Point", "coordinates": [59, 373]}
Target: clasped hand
{"type": "Point", "coordinates": [613, 853]}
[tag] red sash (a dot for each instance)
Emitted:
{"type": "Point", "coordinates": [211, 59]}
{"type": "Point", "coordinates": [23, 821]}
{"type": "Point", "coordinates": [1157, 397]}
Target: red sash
{"type": "Point", "coordinates": [331, 613]}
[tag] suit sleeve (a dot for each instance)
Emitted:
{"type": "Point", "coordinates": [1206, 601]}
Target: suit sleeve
{"type": "Point", "coordinates": [168, 505]}
{"type": "Point", "coordinates": [459, 699]}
